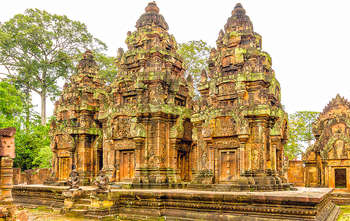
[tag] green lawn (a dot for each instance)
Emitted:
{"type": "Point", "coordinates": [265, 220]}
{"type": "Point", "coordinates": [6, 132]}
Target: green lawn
{"type": "Point", "coordinates": [344, 213]}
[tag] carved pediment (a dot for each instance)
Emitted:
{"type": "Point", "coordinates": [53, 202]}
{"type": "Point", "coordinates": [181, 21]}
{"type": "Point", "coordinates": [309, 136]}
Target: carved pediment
{"type": "Point", "coordinates": [121, 128]}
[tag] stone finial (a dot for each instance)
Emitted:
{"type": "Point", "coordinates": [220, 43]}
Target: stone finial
{"type": "Point", "coordinates": [7, 142]}
{"type": "Point", "coordinates": [189, 79]}
{"type": "Point", "coordinates": [204, 77]}
{"type": "Point", "coordinates": [120, 52]}
{"type": "Point", "coordinates": [88, 55]}
{"type": "Point", "coordinates": [238, 10]}
{"type": "Point", "coordinates": [152, 8]}
{"type": "Point", "coordinates": [8, 132]}
{"type": "Point", "coordinates": [87, 63]}
{"type": "Point", "coordinates": [338, 100]}
{"type": "Point", "coordinates": [239, 21]}
{"type": "Point", "coordinates": [152, 17]}
{"type": "Point", "coordinates": [221, 34]}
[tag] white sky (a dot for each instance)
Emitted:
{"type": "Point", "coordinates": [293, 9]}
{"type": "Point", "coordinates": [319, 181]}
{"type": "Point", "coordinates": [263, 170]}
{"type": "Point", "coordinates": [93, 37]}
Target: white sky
{"type": "Point", "coordinates": [309, 41]}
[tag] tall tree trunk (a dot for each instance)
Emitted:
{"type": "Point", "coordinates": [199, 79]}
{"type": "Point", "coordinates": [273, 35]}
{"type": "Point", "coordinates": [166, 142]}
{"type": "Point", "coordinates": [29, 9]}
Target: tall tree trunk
{"type": "Point", "coordinates": [43, 107]}
{"type": "Point", "coordinates": [27, 103]}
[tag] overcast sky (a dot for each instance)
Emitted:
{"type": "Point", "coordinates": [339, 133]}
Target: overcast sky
{"type": "Point", "coordinates": [309, 41]}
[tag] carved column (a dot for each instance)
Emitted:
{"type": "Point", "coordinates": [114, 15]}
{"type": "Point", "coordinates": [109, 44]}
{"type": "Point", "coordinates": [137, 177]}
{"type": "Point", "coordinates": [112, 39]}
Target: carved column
{"type": "Point", "coordinates": [7, 154]}
{"type": "Point", "coordinates": [81, 164]}
{"type": "Point", "coordinates": [139, 146]}
{"type": "Point", "coordinates": [242, 149]}
{"type": "Point", "coordinates": [174, 161]}
{"type": "Point", "coordinates": [109, 160]}
{"type": "Point", "coordinates": [6, 174]}
{"type": "Point", "coordinates": [259, 142]}
{"type": "Point", "coordinates": [275, 145]}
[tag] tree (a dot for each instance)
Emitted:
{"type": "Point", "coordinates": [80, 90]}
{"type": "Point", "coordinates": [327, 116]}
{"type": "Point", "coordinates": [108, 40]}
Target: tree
{"type": "Point", "coordinates": [37, 49]}
{"type": "Point", "coordinates": [300, 132]}
{"type": "Point", "coordinates": [33, 146]}
{"type": "Point", "coordinates": [10, 104]}
{"type": "Point", "coordinates": [195, 55]}
{"type": "Point", "coordinates": [107, 68]}
{"type": "Point", "coordinates": [32, 139]}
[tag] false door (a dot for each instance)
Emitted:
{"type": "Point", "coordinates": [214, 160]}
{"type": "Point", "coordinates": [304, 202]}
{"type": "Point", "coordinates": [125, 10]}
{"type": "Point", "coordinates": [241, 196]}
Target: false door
{"type": "Point", "coordinates": [228, 165]}
{"type": "Point", "coordinates": [183, 165]}
{"type": "Point", "coordinates": [127, 165]}
{"type": "Point", "coordinates": [64, 168]}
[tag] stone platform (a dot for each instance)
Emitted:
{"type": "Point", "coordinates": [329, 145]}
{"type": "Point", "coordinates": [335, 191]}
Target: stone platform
{"type": "Point", "coordinates": [183, 204]}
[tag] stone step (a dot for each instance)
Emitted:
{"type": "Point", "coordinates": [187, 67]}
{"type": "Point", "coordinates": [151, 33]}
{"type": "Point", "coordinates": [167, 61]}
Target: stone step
{"type": "Point", "coordinates": [84, 201]}
{"type": "Point", "coordinates": [78, 211]}
{"type": "Point", "coordinates": [334, 214]}
{"type": "Point", "coordinates": [81, 206]}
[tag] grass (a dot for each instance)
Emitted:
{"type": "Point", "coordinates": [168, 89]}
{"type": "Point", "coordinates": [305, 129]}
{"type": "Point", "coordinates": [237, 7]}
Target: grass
{"type": "Point", "coordinates": [344, 213]}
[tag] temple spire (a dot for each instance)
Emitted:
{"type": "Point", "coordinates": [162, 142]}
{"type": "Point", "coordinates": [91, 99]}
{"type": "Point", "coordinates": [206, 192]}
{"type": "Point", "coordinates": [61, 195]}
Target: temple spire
{"type": "Point", "coordinates": [152, 8]}
{"type": "Point", "coordinates": [238, 21]}
{"type": "Point", "coordinates": [151, 17]}
{"type": "Point", "coordinates": [238, 10]}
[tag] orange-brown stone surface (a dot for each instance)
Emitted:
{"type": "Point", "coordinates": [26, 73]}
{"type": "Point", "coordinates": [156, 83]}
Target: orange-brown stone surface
{"type": "Point", "coordinates": [240, 125]}
{"type": "Point", "coordinates": [8, 210]}
{"type": "Point", "coordinates": [145, 127]}
{"type": "Point", "coordinates": [76, 133]}
{"type": "Point", "coordinates": [296, 170]}
{"type": "Point", "coordinates": [327, 161]}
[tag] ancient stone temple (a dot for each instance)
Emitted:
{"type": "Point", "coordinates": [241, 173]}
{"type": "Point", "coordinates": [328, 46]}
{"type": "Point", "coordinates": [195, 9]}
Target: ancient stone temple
{"type": "Point", "coordinates": [8, 210]}
{"type": "Point", "coordinates": [145, 131]}
{"type": "Point", "coordinates": [76, 133]}
{"type": "Point", "coordinates": [7, 154]}
{"type": "Point", "coordinates": [240, 125]}
{"type": "Point", "coordinates": [146, 126]}
{"type": "Point", "coordinates": [327, 161]}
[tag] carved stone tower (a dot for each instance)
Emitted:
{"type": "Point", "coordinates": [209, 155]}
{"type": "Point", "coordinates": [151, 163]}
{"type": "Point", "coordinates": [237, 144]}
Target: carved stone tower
{"type": "Point", "coordinates": [147, 126]}
{"type": "Point", "coordinates": [240, 125]}
{"type": "Point", "coordinates": [76, 133]}
{"type": "Point", "coordinates": [327, 160]}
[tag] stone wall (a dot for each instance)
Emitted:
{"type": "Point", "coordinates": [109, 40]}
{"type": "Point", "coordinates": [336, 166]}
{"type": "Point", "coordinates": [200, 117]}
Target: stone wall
{"type": "Point", "coordinates": [296, 171]}
{"type": "Point", "coordinates": [33, 176]}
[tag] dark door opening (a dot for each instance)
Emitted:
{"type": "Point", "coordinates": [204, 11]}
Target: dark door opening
{"type": "Point", "coordinates": [100, 159]}
{"type": "Point", "coordinates": [340, 178]}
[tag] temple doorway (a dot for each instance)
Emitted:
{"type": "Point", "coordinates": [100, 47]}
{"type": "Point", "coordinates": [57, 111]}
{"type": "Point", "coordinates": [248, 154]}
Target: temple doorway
{"type": "Point", "coordinates": [127, 165]}
{"type": "Point", "coordinates": [340, 178]}
{"type": "Point", "coordinates": [65, 168]}
{"type": "Point", "coordinates": [183, 165]}
{"type": "Point", "coordinates": [100, 159]}
{"type": "Point", "coordinates": [228, 165]}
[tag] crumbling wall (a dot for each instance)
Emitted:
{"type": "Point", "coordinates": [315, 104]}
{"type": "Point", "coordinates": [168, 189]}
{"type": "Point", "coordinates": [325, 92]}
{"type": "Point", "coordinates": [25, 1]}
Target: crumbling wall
{"type": "Point", "coordinates": [33, 176]}
{"type": "Point", "coordinates": [296, 170]}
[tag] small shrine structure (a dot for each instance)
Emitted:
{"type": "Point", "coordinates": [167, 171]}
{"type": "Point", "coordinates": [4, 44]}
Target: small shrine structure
{"type": "Point", "coordinates": [240, 126]}
{"type": "Point", "coordinates": [147, 128]}
{"type": "Point", "coordinates": [145, 131]}
{"type": "Point", "coordinates": [76, 133]}
{"type": "Point", "coordinates": [327, 161]}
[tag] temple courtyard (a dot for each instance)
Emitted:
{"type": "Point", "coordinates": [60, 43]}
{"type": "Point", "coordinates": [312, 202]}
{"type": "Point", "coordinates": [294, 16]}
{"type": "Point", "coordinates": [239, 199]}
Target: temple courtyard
{"type": "Point", "coordinates": [148, 146]}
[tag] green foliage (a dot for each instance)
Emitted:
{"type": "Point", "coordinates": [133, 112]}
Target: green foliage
{"type": "Point", "coordinates": [10, 104]}
{"type": "Point", "coordinates": [32, 142]}
{"type": "Point", "coordinates": [33, 146]}
{"type": "Point", "coordinates": [37, 49]}
{"type": "Point", "coordinates": [195, 55]}
{"type": "Point", "coordinates": [300, 132]}
{"type": "Point", "coordinates": [107, 67]}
